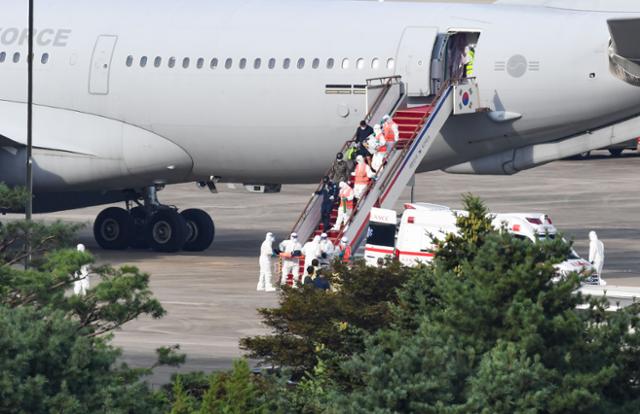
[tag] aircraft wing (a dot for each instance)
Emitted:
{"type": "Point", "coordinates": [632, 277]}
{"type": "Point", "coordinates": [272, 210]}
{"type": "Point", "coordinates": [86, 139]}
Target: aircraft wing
{"type": "Point", "coordinates": [7, 142]}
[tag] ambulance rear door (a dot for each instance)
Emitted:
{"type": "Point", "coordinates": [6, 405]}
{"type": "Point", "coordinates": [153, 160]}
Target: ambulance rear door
{"type": "Point", "coordinates": [381, 236]}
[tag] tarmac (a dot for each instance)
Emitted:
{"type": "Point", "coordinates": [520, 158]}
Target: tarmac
{"type": "Point", "coordinates": [211, 297]}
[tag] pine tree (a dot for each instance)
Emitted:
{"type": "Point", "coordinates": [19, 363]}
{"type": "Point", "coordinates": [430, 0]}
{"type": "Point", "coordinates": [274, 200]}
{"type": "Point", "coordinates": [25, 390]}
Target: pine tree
{"type": "Point", "coordinates": [488, 329]}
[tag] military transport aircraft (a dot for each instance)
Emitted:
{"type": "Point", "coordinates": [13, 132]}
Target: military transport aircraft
{"type": "Point", "coordinates": [131, 96]}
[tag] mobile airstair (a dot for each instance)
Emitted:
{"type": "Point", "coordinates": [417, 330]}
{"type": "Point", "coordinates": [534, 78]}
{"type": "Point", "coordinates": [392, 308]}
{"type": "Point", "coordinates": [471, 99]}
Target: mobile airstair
{"type": "Point", "coordinates": [419, 127]}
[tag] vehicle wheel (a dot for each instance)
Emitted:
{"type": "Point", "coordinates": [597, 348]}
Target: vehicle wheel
{"type": "Point", "coordinates": [113, 228]}
{"type": "Point", "coordinates": [166, 231]}
{"type": "Point", "coordinates": [616, 152]}
{"type": "Point", "coordinates": [138, 238]}
{"type": "Point", "coordinates": [200, 230]}
{"type": "Point", "coordinates": [584, 155]}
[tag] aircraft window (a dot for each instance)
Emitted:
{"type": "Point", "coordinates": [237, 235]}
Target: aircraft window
{"type": "Point", "coordinates": [286, 63]}
{"type": "Point", "coordinates": [45, 58]}
{"type": "Point", "coordinates": [360, 63]}
{"type": "Point", "coordinates": [375, 63]}
{"type": "Point", "coordinates": [345, 63]}
{"type": "Point", "coordinates": [228, 63]}
{"type": "Point", "coordinates": [316, 63]}
{"type": "Point", "coordinates": [157, 61]}
{"type": "Point", "coordinates": [16, 57]}
{"type": "Point", "coordinates": [129, 60]}
{"type": "Point", "coordinates": [172, 61]}
{"type": "Point", "coordinates": [243, 63]}
{"type": "Point", "coordinates": [3, 57]}
{"type": "Point", "coordinates": [200, 63]}
{"type": "Point", "coordinates": [257, 63]}
{"type": "Point", "coordinates": [186, 62]}
{"type": "Point", "coordinates": [214, 63]}
{"type": "Point", "coordinates": [301, 63]}
{"type": "Point", "coordinates": [143, 61]}
{"type": "Point", "coordinates": [272, 63]}
{"type": "Point", "coordinates": [391, 63]}
{"type": "Point", "coordinates": [330, 63]}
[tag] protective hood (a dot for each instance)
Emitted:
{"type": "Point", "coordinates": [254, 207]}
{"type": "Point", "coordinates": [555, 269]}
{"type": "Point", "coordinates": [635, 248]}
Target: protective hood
{"type": "Point", "coordinates": [593, 236]}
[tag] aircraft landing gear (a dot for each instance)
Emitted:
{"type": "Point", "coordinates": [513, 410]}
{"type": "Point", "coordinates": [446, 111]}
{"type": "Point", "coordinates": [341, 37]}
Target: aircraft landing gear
{"type": "Point", "coordinates": [153, 225]}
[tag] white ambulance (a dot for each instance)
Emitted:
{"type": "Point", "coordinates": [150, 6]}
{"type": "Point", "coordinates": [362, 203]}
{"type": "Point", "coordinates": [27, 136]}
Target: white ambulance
{"type": "Point", "coordinates": [413, 241]}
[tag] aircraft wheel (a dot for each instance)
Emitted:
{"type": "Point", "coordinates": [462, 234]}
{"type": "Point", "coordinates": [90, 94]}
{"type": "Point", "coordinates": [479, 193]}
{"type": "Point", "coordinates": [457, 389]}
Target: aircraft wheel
{"type": "Point", "coordinates": [113, 228]}
{"type": "Point", "coordinates": [139, 217]}
{"type": "Point", "coordinates": [200, 230]}
{"type": "Point", "coordinates": [615, 152]}
{"type": "Point", "coordinates": [166, 231]}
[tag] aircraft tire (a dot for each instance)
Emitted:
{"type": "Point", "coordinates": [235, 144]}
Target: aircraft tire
{"type": "Point", "coordinates": [166, 231]}
{"type": "Point", "coordinates": [615, 152]}
{"type": "Point", "coordinates": [113, 228]}
{"type": "Point", "coordinates": [138, 239]}
{"type": "Point", "coordinates": [201, 230]}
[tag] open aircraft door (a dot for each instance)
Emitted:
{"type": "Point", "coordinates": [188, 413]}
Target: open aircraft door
{"type": "Point", "coordinates": [414, 59]}
{"type": "Point", "coordinates": [101, 64]}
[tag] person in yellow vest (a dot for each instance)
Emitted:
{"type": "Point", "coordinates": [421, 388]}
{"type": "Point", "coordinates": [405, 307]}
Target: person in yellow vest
{"type": "Point", "coordinates": [469, 60]}
{"type": "Point", "coordinates": [363, 175]}
{"type": "Point", "coordinates": [391, 132]}
{"type": "Point", "coordinates": [346, 206]}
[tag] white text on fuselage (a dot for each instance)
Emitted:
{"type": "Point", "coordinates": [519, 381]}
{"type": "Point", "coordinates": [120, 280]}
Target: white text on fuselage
{"type": "Point", "coordinates": [13, 36]}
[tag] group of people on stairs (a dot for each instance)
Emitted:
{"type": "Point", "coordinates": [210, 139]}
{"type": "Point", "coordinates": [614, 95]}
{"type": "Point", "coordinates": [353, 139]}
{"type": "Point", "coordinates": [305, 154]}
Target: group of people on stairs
{"type": "Point", "coordinates": [346, 183]}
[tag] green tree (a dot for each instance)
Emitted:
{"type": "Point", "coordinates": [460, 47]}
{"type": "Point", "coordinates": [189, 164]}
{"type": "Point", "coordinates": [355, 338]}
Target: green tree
{"type": "Point", "coordinates": [236, 392]}
{"type": "Point", "coordinates": [309, 320]}
{"type": "Point", "coordinates": [55, 352]}
{"type": "Point", "coordinates": [486, 329]}
{"type": "Point", "coordinates": [11, 199]}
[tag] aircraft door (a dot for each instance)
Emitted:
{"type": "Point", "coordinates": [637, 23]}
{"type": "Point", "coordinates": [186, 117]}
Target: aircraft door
{"type": "Point", "coordinates": [414, 59]}
{"type": "Point", "coordinates": [101, 64]}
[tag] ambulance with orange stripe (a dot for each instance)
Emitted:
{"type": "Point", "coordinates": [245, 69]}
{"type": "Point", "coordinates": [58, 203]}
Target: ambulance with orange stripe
{"type": "Point", "coordinates": [412, 242]}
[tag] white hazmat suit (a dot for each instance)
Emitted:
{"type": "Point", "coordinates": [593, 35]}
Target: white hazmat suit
{"type": "Point", "coordinates": [378, 156]}
{"type": "Point", "coordinates": [596, 253]}
{"type": "Point", "coordinates": [363, 174]}
{"type": "Point", "coordinates": [81, 285]}
{"type": "Point", "coordinates": [311, 250]}
{"type": "Point", "coordinates": [345, 208]}
{"type": "Point", "coordinates": [326, 250]}
{"type": "Point", "coordinates": [266, 264]}
{"type": "Point", "coordinates": [290, 264]}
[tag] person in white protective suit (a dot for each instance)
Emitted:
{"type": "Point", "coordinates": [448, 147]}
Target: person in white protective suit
{"type": "Point", "coordinates": [380, 145]}
{"type": "Point", "coordinates": [596, 253]}
{"type": "Point", "coordinates": [82, 284]}
{"type": "Point", "coordinates": [290, 263]}
{"type": "Point", "coordinates": [326, 250]}
{"type": "Point", "coordinates": [266, 264]}
{"type": "Point", "coordinates": [345, 208]}
{"type": "Point", "coordinates": [310, 250]}
{"type": "Point", "coordinates": [391, 132]}
{"type": "Point", "coordinates": [363, 175]}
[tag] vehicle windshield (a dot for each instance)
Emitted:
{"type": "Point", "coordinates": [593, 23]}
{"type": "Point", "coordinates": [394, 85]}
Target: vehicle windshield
{"type": "Point", "coordinates": [381, 234]}
{"type": "Point", "coordinates": [573, 255]}
{"type": "Point", "coordinates": [546, 236]}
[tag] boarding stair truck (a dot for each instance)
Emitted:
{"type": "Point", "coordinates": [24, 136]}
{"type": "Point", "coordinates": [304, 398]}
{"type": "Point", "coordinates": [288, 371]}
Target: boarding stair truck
{"type": "Point", "coordinates": [422, 223]}
{"type": "Point", "coordinates": [419, 127]}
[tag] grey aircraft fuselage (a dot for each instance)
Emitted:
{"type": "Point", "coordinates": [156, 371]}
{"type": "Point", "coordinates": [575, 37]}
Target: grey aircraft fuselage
{"type": "Point", "coordinates": [131, 93]}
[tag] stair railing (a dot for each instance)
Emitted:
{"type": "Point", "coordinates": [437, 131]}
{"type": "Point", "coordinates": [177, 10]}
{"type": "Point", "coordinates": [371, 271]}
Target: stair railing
{"type": "Point", "coordinates": [387, 83]}
{"type": "Point", "coordinates": [398, 160]}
